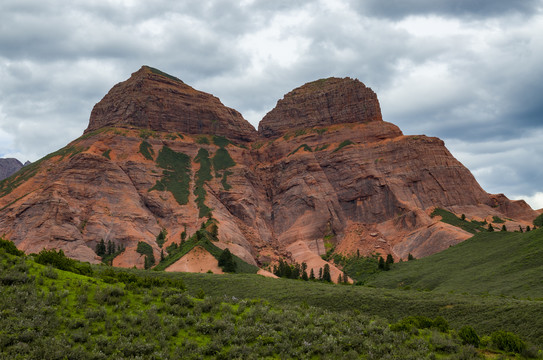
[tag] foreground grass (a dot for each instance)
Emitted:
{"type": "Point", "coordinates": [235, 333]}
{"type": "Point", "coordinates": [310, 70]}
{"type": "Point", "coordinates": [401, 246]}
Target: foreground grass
{"type": "Point", "coordinates": [132, 314]}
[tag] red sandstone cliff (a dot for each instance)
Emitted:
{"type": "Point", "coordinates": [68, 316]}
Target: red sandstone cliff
{"type": "Point", "coordinates": [325, 170]}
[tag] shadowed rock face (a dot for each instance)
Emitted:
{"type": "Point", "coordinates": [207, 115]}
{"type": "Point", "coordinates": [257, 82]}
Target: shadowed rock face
{"type": "Point", "coordinates": [323, 102]}
{"type": "Point", "coordinates": [8, 167]}
{"type": "Point", "coordinates": [156, 101]}
{"type": "Point", "coordinates": [324, 171]}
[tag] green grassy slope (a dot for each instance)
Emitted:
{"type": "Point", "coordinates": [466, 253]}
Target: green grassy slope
{"type": "Point", "coordinates": [485, 313]}
{"type": "Point", "coordinates": [497, 263]}
{"type": "Point", "coordinates": [134, 314]}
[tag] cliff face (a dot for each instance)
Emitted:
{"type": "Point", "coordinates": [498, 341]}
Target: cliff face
{"type": "Point", "coordinates": [323, 172]}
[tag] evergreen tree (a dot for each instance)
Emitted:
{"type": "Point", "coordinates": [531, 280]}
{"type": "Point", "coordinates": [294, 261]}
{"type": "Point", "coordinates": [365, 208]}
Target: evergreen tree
{"type": "Point", "coordinates": [390, 259]}
{"type": "Point", "coordinates": [504, 228]}
{"type": "Point", "coordinates": [381, 265]}
{"type": "Point", "coordinates": [101, 248]}
{"type": "Point", "coordinates": [339, 279]}
{"type": "Point", "coordinates": [110, 247]}
{"type": "Point", "coordinates": [410, 257]}
{"type": "Point", "coordinates": [320, 274]}
{"type": "Point", "coordinates": [227, 262]}
{"type": "Point", "coordinates": [358, 253]}
{"type": "Point", "coordinates": [304, 276]}
{"type": "Point", "coordinates": [520, 228]}
{"type": "Point", "coordinates": [311, 275]}
{"type": "Point", "coordinates": [490, 227]}
{"type": "Point", "coordinates": [345, 278]}
{"type": "Point", "coordinates": [162, 255]}
{"type": "Point", "coordinates": [326, 273]}
{"type": "Point", "coordinates": [463, 217]}
{"type": "Point", "coordinates": [528, 228]}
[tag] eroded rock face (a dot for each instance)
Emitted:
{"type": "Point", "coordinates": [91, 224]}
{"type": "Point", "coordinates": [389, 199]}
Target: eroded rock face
{"type": "Point", "coordinates": [322, 103]}
{"type": "Point", "coordinates": [324, 172]}
{"type": "Point", "coordinates": [153, 100]}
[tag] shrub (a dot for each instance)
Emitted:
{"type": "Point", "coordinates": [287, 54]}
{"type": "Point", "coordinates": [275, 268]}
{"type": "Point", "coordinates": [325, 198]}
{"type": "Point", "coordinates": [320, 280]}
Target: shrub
{"type": "Point", "coordinates": [60, 261]}
{"type": "Point", "coordinates": [468, 336]}
{"type": "Point", "coordinates": [10, 247]}
{"type": "Point", "coordinates": [507, 341]}
{"type": "Point", "coordinates": [226, 261]}
{"type": "Point", "coordinates": [538, 221]}
{"type": "Point", "coordinates": [343, 144]}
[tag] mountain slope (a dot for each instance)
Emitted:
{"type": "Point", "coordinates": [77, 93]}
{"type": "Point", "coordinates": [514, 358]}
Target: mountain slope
{"type": "Point", "coordinates": [8, 167]}
{"type": "Point", "coordinates": [161, 157]}
{"type": "Point", "coordinates": [497, 263]}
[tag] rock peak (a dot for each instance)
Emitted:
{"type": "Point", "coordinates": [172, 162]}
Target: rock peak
{"type": "Point", "coordinates": [321, 103]}
{"type": "Point", "coordinates": [154, 100]}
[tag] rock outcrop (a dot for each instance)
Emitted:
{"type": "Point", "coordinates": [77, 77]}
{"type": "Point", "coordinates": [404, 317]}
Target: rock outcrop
{"type": "Point", "coordinates": [324, 173]}
{"type": "Point", "coordinates": [9, 167]}
{"type": "Point", "coordinates": [151, 99]}
{"type": "Point", "coordinates": [323, 102]}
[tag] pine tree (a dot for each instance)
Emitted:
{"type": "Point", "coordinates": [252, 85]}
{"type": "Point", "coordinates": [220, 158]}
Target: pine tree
{"type": "Point", "coordinates": [227, 262]}
{"type": "Point", "coordinates": [339, 279]}
{"type": "Point", "coordinates": [490, 227]}
{"type": "Point", "coordinates": [326, 273]}
{"type": "Point", "coordinates": [101, 248]}
{"type": "Point", "coordinates": [463, 217]}
{"type": "Point", "coordinates": [504, 228]}
{"type": "Point", "coordinates": [345, 278]}
{"type": "Point", "coordinates": [410, 257]}
{"type": "Point", "coordinates": [390, 259]}
{"type": "Point", "coordinates": [382, 264]}
{"type": "Point", "coordinates": [162, 255]}
{"type": "Point", "coordinates": [320, 274]}
{"type": "Point", "coordinates": [184, 235]}
{"type": "Point", "coordinates": [528, 228]}
{"type": "Point", "coordinates": [304, 276]}
{"type": "Point", "coordinates": [520, 227]}
{"type": "Point", "coordinates": [311, 275]}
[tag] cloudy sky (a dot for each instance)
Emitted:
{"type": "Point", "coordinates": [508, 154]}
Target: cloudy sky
{"type": "Point", "coordinates": [467, 71]}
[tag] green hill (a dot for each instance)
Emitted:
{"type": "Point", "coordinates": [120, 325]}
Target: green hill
{"type": "Point", "coordinates": [99, 312]}
{"type": "Point", "coordinates": [496, 263]}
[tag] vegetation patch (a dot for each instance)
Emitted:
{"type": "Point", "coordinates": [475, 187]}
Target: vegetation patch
{"type": "Point", "coordinates": [450, 218]}
{"type": "Point", "coordinates": [146, 150]}
{"type": "Point", "coordinates": [497, 220]}
{"type": "Point", "coordinates": [322, 147]}
{"type": "Point", "coordinates": [129, 313]}
{"type": "Point", "coordinates": [202, 176]}
{"type": "Point", "coordinates": [303, 146]}
{"type": "Point", "coordinates": [496, 263]}
{"type": "Point", "coordinates": [222, 160]}
{"type": "Point", "coordinates": [202, 140]}
{"type": "Point", "coordinates": [146, 250]}
{"type": "Point", "coordinates": [538, 221]}
{"type": "Point", "coordinates": [220, 141]}
{"type": "Point", "coordinates": [343, 144]}
{"type": "Point", "coordinates": [106, 154]}
{"type": "Point", "coordinates": [224, 180]}
{"type": "Point", "coordinates": [176, 174]}
{"type": "Point", "coordinates": [162, 73]}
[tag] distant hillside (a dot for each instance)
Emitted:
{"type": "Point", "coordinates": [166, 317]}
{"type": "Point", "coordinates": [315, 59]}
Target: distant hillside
{"type": "Point", "coordinates": [9, 167]}
{"type": "Point", "coordinates": [497, 263]}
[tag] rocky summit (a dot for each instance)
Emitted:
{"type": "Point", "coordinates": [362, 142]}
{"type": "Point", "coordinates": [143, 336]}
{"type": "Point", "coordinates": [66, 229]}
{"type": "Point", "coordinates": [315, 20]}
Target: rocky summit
{"type": "Point", "coordinates": [323, 174]}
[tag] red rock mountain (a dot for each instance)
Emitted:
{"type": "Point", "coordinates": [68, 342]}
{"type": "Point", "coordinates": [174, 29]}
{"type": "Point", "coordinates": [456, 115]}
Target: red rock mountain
{"type": "Point", "coordinates": [323, 171]}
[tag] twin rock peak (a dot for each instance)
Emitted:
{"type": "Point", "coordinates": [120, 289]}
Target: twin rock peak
{"type": "Point", "coordinates": [151, 99]}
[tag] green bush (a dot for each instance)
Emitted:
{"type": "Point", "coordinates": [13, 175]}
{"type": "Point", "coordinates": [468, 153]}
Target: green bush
{"type": "Point", "coordinates": [220, 141]}
{"type": "Point", "coordinates": [10, 247]}
{"type": "Point", "coordinates": [60, 261]}
{"type": "Point", "coordinates": [468, 336]}
{"type": "Point", "coordinates": [507, 341]}
{"type": "Point", "coordinates": [538, 221]}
